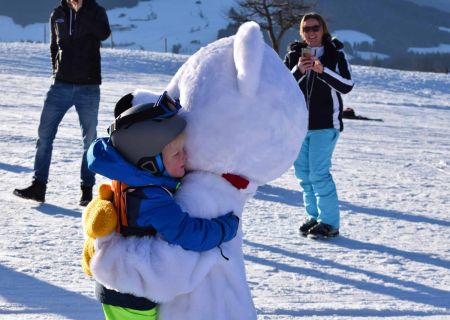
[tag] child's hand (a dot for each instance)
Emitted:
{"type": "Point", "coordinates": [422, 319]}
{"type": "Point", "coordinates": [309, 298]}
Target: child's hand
{"type": "Point", "coordinates": [230, 225]}
{"type": "Point", "coordinates": [99, 219]}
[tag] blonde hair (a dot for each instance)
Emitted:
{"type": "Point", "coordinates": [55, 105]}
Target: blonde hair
{"type": "Point", "coordinates": [178, 142]}
{"type": "Point", "coordinates": [313, 15]}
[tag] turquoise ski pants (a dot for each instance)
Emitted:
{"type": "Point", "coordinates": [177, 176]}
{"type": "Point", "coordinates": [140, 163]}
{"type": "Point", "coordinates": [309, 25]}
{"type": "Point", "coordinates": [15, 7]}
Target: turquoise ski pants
{"type": "Point", "coordinates": [312, 168]}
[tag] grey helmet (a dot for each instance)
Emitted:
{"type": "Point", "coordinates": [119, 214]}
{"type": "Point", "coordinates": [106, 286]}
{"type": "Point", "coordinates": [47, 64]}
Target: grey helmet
{"type": "Point", "coordinates": [140, 133]}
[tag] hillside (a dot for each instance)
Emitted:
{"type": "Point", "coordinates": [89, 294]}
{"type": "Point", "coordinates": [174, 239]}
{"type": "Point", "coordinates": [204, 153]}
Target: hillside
{"type": "Point", "coordinates": [25, 12]}
{"type": "Point", "coordinates": [391, 261]}
{"type": "Point", "coordinates": [400, 34]}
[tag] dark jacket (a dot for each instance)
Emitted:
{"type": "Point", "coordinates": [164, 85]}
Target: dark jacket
{"type": "Point", "coordinates": [323, 91]}
{"type": "Point", "coordinates": [75, 42]}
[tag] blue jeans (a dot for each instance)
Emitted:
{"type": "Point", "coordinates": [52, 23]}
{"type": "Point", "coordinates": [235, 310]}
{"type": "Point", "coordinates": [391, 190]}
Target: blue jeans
{"type": "Point", "coordinates": [60, 98]}
{"type": "Point", "coordinates": [312, 168]}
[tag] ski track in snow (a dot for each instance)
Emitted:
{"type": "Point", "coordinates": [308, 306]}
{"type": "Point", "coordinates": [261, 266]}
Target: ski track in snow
{"type": "Point", "coordinates": [392, 259]}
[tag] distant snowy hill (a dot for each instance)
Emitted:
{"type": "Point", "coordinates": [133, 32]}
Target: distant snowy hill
{"type": "Point", "coordinates": [159, 25]}
{"type": "Point", "coordinates": [390, 33]}
{"type": "Point", "coordinates": [391, 261]}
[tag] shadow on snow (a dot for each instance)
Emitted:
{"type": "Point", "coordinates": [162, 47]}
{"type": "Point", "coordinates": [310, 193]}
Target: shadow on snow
{"type": "Point", "coordinates": [294, 198]}
{"type": "Point", "coordinates": [14, 168]}
{"type": "Point", "coordinates": [397, 288]}
{"type": "Point", "coordinates": [52, 210]}
{"type": "Point", "coordinates": [42, 298]}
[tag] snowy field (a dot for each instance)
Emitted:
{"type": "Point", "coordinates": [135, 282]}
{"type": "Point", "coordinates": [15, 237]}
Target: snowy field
{"type": "Point", "coordinates": [392, 260]}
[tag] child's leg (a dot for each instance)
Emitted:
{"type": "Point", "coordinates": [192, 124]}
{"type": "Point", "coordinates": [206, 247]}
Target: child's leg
{"type": "Point", "coordinates": [119, 313]}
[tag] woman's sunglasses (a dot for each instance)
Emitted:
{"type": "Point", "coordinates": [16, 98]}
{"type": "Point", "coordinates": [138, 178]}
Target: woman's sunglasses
{"type": "Point", "coordinates": [315, 28]}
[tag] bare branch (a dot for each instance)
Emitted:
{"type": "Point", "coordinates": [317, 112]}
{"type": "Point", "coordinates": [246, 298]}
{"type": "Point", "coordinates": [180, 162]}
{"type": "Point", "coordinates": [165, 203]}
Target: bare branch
{"type": "Point", "coordinates": [274, 16]}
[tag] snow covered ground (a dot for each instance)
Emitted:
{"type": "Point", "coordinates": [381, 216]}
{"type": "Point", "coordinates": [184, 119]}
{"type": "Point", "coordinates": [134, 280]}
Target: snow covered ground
{"type": "Point", "coordinates": [392, 259]}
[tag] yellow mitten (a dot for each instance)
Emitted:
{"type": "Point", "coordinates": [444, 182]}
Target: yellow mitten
{"type": "Point", "coordinates": [88, 252]}
{"type": "Point", "coordinates": [100, 215]}
{"type": "Point", "coordinates": [99, 219]}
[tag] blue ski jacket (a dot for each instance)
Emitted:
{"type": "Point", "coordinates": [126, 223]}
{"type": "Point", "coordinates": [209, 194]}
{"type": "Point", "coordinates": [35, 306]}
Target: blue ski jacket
{"type": "Point", "coordinates": [154, 205]}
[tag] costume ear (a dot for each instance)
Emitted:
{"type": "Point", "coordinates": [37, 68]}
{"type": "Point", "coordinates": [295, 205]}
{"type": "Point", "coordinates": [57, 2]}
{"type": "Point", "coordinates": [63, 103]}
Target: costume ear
{"type": "Point", "coordinates": [123, 104]}
{"type": "Point", "coordinates": [248, 56]}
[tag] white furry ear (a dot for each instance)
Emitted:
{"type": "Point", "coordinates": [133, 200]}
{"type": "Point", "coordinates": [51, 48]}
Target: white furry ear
{"type": "Point", "coordinates": [144, 96]}
{"type": "Point", "coordinates": [248, 56]}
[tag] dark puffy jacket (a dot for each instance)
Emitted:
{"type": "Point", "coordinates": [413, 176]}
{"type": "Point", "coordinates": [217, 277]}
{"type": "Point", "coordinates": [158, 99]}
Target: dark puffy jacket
{"type": "Point", "coordinates": [75, 42]}
{"type": "Point", "coordinates": [325, 102]}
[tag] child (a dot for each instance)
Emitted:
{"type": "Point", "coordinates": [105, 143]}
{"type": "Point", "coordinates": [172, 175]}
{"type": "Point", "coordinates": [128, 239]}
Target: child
{"type": "Point", "coordinates": [145, 151]}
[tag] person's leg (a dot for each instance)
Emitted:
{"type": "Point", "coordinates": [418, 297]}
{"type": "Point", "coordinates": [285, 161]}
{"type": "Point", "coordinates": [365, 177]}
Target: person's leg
{"type": "Point", "coordinates": [119, 313]}
{"type": "Point", "coordinates": [57, 102]}
{"type": "Point", "coordinates": [302, 172]}
{"type": "Point", "coordinates": [87, 100]}
{"type": "Point", "coordinates": [322, 144]}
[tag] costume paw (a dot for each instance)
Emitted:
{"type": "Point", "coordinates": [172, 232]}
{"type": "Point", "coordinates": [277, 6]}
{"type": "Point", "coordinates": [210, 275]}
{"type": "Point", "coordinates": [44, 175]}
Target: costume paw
{"type": "Point", "coordinates": [99, 219]}
{"type": "Point", "coordinates": [88, 252]}
{"type": "Point", "coordinates": [100, 216]}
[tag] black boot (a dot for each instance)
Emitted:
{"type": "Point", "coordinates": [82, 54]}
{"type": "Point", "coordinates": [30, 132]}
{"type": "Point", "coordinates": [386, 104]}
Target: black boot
{"type": "Point", "coordinates": [86, 196]}
{"type": "Point", "coordinates": [304, 228]}
{"type": "Point", "coordinates": [34, 192]}
{"type": "Point", "coordinates": [323, 230]}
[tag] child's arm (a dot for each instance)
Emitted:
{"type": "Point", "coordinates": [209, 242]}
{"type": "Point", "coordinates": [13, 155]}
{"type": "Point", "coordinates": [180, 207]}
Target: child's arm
{"type": "Point", "coordinates": [177, 227]}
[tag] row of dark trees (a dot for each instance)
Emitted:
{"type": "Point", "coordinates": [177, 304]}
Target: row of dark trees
{"type": "Point", "coordinates": [431, 62]}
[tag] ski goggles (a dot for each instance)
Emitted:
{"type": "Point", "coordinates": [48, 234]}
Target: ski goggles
{"type": "Point", "coordinates": [164, 108]}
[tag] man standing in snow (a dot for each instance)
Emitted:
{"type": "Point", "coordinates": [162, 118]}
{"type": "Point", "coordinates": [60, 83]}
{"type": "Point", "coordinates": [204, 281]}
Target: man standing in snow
{"type": "Point", "coordinates": [77, 29]}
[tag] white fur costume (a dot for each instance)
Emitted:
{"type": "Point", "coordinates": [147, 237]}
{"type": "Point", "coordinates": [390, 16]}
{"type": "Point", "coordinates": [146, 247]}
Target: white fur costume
{"type": "Point", "coordinates": [246, 116]}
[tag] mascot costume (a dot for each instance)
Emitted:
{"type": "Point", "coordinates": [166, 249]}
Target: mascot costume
{"type": "Point", "coordinates": [246, 122]}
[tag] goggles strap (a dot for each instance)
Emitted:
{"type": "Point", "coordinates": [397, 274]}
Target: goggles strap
{"type": "Point", "coordinates": [164, 108]}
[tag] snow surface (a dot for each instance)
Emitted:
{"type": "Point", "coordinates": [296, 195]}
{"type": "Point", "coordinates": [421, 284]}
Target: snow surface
{"type": "Point", "coordinates": [392, 260]}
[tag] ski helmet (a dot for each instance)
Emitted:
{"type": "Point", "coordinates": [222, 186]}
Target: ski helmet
{"type": "Point", "coordinates": [141, 132]}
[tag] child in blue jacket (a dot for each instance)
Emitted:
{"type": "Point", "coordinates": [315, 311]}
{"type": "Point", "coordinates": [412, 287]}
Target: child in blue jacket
{"type": "Point", "coordinates": [145, 151]}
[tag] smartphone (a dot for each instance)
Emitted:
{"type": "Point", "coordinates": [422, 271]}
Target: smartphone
{"type": "Point", "coordinates": [306, 53]}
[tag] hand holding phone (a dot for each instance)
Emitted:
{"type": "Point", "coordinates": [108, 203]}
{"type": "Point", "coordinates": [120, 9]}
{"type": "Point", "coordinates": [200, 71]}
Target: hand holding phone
{"type": "Point", "coordinates": [306, 60]}
{"type": "Point", "coordinates": [306, 53]}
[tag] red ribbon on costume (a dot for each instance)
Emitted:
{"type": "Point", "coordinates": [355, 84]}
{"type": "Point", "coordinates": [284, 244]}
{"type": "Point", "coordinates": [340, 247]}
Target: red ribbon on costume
{"type": "Point", "coordinates": [237, 181]}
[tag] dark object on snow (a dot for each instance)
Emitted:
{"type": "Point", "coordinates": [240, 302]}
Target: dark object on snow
{"type": "Point", "coordinates": [304, 228]}
{"type": "Point", "coordinates": [34, 192]}
{"type": "Point", "coordinates": [322, 231]}
{"type": "Point", "coordinates": [349, 113]}
{"type": "Point", "coordinates": [86, 196]}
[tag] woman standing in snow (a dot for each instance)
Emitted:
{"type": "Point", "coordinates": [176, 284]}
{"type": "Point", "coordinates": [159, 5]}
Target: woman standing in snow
{"type": "Point", "coordinates": [322, 71]}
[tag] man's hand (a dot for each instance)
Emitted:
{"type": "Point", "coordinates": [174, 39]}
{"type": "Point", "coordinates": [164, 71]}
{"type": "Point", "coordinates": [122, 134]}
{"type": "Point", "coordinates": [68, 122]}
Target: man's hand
{"type": "Point", "coordinates": [76, 4]}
